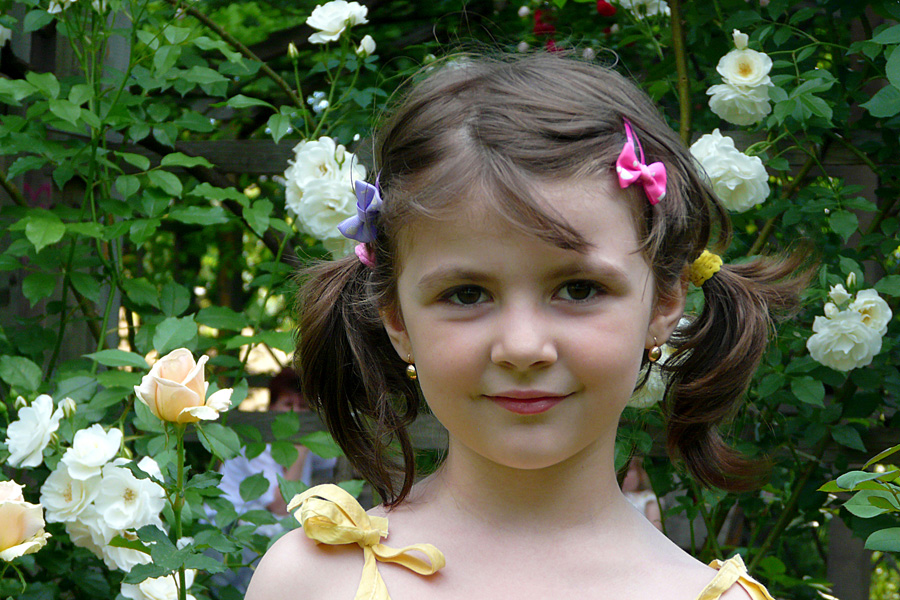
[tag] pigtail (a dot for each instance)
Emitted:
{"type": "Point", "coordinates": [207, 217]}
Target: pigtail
{"type": "Point", "coordinates": [717, 355]}
{"type": "Point", "coordinates": [352, 376]}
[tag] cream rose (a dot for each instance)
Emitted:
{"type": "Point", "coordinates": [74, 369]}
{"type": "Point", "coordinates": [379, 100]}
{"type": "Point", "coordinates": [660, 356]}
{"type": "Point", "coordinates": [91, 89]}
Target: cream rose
{"type": "Point", "coordinates": [126, 502]}
{"type": "Point", "coordinates": [843, 342]}
{"type": "Point", "coordinates": [838, 294]}
{"type": "Point", "coordinates": [332, 18]}
{"type": "Point", "coordinates": [739, 181]}
{"type": "Point", "coordinates": [21, 523]}
{"type": "Point", "coordinates": [738, 104]}
{"type": "Point", "coordinates": [175, 390]}
{"type": "Point", "coordinates": [64, 497]}
{"type": "Point", "coordinates": [874, 310]}
{"type": "Point", "coordinates": [366, 46]}
{"type": "Point", "coordinates": [27, 436]}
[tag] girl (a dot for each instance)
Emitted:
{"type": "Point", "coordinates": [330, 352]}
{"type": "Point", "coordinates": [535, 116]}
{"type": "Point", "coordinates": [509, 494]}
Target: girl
{"type": "Point", "coordinates": [525, 249]}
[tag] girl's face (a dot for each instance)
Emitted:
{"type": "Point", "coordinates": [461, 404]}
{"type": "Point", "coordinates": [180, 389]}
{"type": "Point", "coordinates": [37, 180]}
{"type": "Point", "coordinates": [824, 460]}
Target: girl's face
{"type": "Point", "coordinates": [526, 352]}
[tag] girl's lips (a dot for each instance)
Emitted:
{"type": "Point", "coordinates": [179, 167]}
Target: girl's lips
{"type": "Point", "coordinates": [527, 404]}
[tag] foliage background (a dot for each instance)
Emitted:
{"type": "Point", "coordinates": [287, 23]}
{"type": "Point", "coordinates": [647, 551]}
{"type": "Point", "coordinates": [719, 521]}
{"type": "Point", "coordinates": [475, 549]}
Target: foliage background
{"type": "Point", "coordinates": [104, 217]}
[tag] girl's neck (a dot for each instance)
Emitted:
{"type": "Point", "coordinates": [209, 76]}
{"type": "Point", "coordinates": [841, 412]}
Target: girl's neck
{"type": "Point", "coordinates": [565, 496]}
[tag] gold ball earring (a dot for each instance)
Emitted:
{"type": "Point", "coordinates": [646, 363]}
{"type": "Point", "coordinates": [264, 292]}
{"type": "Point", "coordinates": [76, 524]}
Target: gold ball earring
{"type": "Point", "coordinates": [411, 369]}
{"type": "Point", "coordinates": [655, 352]}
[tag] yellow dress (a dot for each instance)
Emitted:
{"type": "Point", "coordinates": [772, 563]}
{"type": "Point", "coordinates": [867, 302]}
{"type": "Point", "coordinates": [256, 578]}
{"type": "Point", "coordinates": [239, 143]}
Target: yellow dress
{"type": "Point", "coordinates": [330, 515]}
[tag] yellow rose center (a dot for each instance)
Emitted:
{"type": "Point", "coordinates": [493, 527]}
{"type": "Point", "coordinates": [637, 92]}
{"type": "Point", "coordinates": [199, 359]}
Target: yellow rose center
{"type": "Point", "coordinates": [745, 69]}
{"type": "Point", "coordinates": [129, 496]}
{"type": "Point", "coordinates": [67, 494]}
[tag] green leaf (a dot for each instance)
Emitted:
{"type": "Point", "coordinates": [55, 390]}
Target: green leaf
{"type": "Point", "coordinates": [38, 286]}
{"type": "Point", "coordinates": [176, 35]}
{"type": "Point", "coordinates": [849, 481]}
{"type": "Point", "coordinates": [285, 425]}
{"type": "Point", "coordinates": [354, 487]}
{"type": "Point", "coordinates": [860, 505]}
{"type": "Point", "coordinates": [221, 317]}
{"type": "Point", "coordinates": [891, 35]}
{"type": "Point", "coordinates": [142, 230]}
{"type": "Point", "coordinates": [137, 160]}
{"type": "Point", "coordinates": [20, 373]}
{"type": "Point", "coordinates": [843, 223]}
{"type": "Point", "coordinates": [242, 101]}
{"type": "Point", "coordinates": [174, 299]}
{"type": "Point", "coordinates": [43, 228]}
{"type": "Point", "coordinates": [257, 216]}
{"type": "Point", "coordinates": [889, 285]}
{"type": "Point", "coordinates": [210, 192]}
{"type": "Point", "coordinates": [80, 93]}
{"type": "Point", "coordinates": [808, 390]}
{"type": "Point", "coordinates": [65, 110]}
{"type": "Point", "coordinates": [885, 102]}
{"type": "Point", "coordinates": [882, 455]}
{"type": "Point", "coordinates": [44, 82]}
{"type": "Point", "coordinates": [279, 125]}
{"type": "Point", "coordinates": [202, 75]}
{"type": "Point", "coordinates": [119, 358]}
{"type": "Point", "coordinates": [285, 453]}
{"type": "Point", "coordinates": [86, 285]}
{"type": "Point", "coordinates": [24, 164]}
{"type": "Point", "coordinates": [254, 486]}
{"type": "Point", "coordinates": [36, 19]}
{"type": "Point", "coordinates": [219, 440]}
{"type": "Point", "coordinates": [165, 58]}
{"type": "Point", "coordinates": [16, 89]}
{"type": "Point", "coordinates": [893, 69]}
{"type": "Point", "coordinates": [165, 181]}
{"type": "Point", "coordinates": [173, 333]}
{"type": "Point", "coordinates": [127, 185]}
{"type": "Point", "coordinates": [321, 443]}
{"type": "Point", "coordinates": [289, 488]}
{"type": "Point", "coordinates": [885, 540]}
{"type": "Point", "coordinates": [845, 435]}
{"type": "Point", "coordinates": [141, 292]}
{"type": "Point", "coordinates": [200, 215]}
{"type": "Point", "coordinates": [178, 159]}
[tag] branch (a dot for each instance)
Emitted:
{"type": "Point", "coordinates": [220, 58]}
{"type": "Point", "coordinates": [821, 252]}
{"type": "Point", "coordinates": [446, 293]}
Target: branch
{"type": "Point", "coordinates": [237, 45]}
{"type": "Point", "coordinates": [12, 190]}
{"type": "Point", "coordinates": [684, 87]}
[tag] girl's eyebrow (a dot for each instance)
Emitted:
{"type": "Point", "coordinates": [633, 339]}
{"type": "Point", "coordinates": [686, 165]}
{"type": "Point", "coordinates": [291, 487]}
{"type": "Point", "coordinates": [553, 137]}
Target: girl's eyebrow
{"type": "Point", "coordinates": [441, 275]}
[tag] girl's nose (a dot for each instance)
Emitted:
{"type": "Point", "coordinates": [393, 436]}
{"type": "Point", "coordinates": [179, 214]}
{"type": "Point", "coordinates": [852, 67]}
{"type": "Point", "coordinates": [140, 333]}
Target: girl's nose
{"type": "Point", "coordinates": [523, 341]}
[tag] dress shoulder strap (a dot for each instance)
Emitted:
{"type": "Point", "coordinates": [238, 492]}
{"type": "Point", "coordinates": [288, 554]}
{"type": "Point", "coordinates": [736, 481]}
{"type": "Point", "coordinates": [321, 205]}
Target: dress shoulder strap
{"type": "Point", "coordinates": [730, 572]}
{"type": "Point", "coordinates": [330, 515]}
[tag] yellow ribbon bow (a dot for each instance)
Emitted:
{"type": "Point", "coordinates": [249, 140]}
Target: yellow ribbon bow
{"type": "Point", "coordinates": [330, 515]}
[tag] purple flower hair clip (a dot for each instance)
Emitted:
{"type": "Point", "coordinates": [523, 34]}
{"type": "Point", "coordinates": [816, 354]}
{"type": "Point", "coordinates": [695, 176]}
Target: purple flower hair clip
{"type": "Point", "coordinates": [361, 227]}
{"type": "Point", "coordinates": [631, 170]}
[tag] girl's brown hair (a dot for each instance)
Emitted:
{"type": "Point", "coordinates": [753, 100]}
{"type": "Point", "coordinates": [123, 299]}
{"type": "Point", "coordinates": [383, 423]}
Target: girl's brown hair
{"type": "Point", "coordinates": [494, 127]}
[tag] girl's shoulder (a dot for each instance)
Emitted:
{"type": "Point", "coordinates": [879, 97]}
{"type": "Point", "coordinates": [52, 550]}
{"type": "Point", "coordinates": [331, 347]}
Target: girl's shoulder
{"type": "Point", "coordinates": [296, 567]}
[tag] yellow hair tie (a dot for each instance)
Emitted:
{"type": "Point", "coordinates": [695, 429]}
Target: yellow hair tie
{"type": "Point", "coordinates": [329, 515]}
{"type": "Point", "coordinates": [706, 265]}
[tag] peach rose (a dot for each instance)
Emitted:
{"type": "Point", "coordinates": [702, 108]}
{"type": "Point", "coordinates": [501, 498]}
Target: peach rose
{"type": "Point", "coordinates": [175, 390]}
{"type": "Point", "coordinates": [21, 523]}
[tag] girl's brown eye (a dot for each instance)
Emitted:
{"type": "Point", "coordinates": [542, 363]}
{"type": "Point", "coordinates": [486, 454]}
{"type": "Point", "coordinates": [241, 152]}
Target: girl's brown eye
{"type": "Point", "coordinates": [578, 291]}
{"type": "Point", "coordinates": [466, 295]}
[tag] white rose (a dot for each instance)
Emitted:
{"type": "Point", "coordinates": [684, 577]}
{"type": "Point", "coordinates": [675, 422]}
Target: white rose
{"type": "Point", "coordinates": [64, 497]}
{"type": "Point", "coordinates": [158, 588]}
{"type": "Point", "coordinates": [92, 532]}
{"type": "Point", "coordinates": [5, 35]}
{"type": "Point", "coordinates": [57, 6]}
{"type": "Point", "coordinates": [27, 437]}
{"type": "Point", "coordinates": [740, 39]}
{"type": "Point", "coordinates": [843, 342]}
{"type": "Point", "coordinates": [645, 8]}
{"type": "Point", "coordinates": [21, 523]}
{"type": "Point", "coordinates": [524, 11]}
{"type": "Point", "coordinates": [738, 104]}
{"type": "Point", "coordinates": [745, 68]}
{"type": "Point", "coordinates": [874, 310]}
{"type": "Point", "coordinates": [366, 46]}
{"type": "Point", "coordinates": [838, 294]}
{"type": "Point", "coordinates": [175, 390]}
{"type": "Point", "coordinates": [126, 502]}
{"type": "Point", "coordinates": [91, 449]}
{"type": "Point", "coordinates": [325, 204]}
{"type": "Point", "coordinates": [739, 181]}
{"type": "Point", "coordinates": [332, 18]}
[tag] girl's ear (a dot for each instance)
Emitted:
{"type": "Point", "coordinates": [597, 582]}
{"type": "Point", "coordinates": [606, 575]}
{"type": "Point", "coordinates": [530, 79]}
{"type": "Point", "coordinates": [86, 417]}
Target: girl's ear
{"type": "Point", "coordinates": [668, 311]}
{"type": "Point", "coordinates": [396, 330]}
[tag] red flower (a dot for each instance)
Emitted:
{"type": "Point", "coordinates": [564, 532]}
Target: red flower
{"type": "Point", "coordinates": [605, 8]}
{"type": "Point", "coordinates": [552, 47]}
{"type": "Point", "coordinates": [541, 27]}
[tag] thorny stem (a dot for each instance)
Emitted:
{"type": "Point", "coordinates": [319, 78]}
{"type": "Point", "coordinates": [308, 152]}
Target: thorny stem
{"type": "Point", "coordinates": [788, 192]}
{"type": "Point", "coordinates": [684, 87]}
{"type": "Point", "coordinates": [237, 45]}
{"type": "Point", "coordinates": [178, 502]}
{"type": "Point", "coordinates": [12, 190]}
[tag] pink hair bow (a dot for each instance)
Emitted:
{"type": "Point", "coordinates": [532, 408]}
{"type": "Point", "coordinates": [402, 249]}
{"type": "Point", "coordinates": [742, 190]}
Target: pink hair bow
{"type": "Point", "coordinates": [631, 170]}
